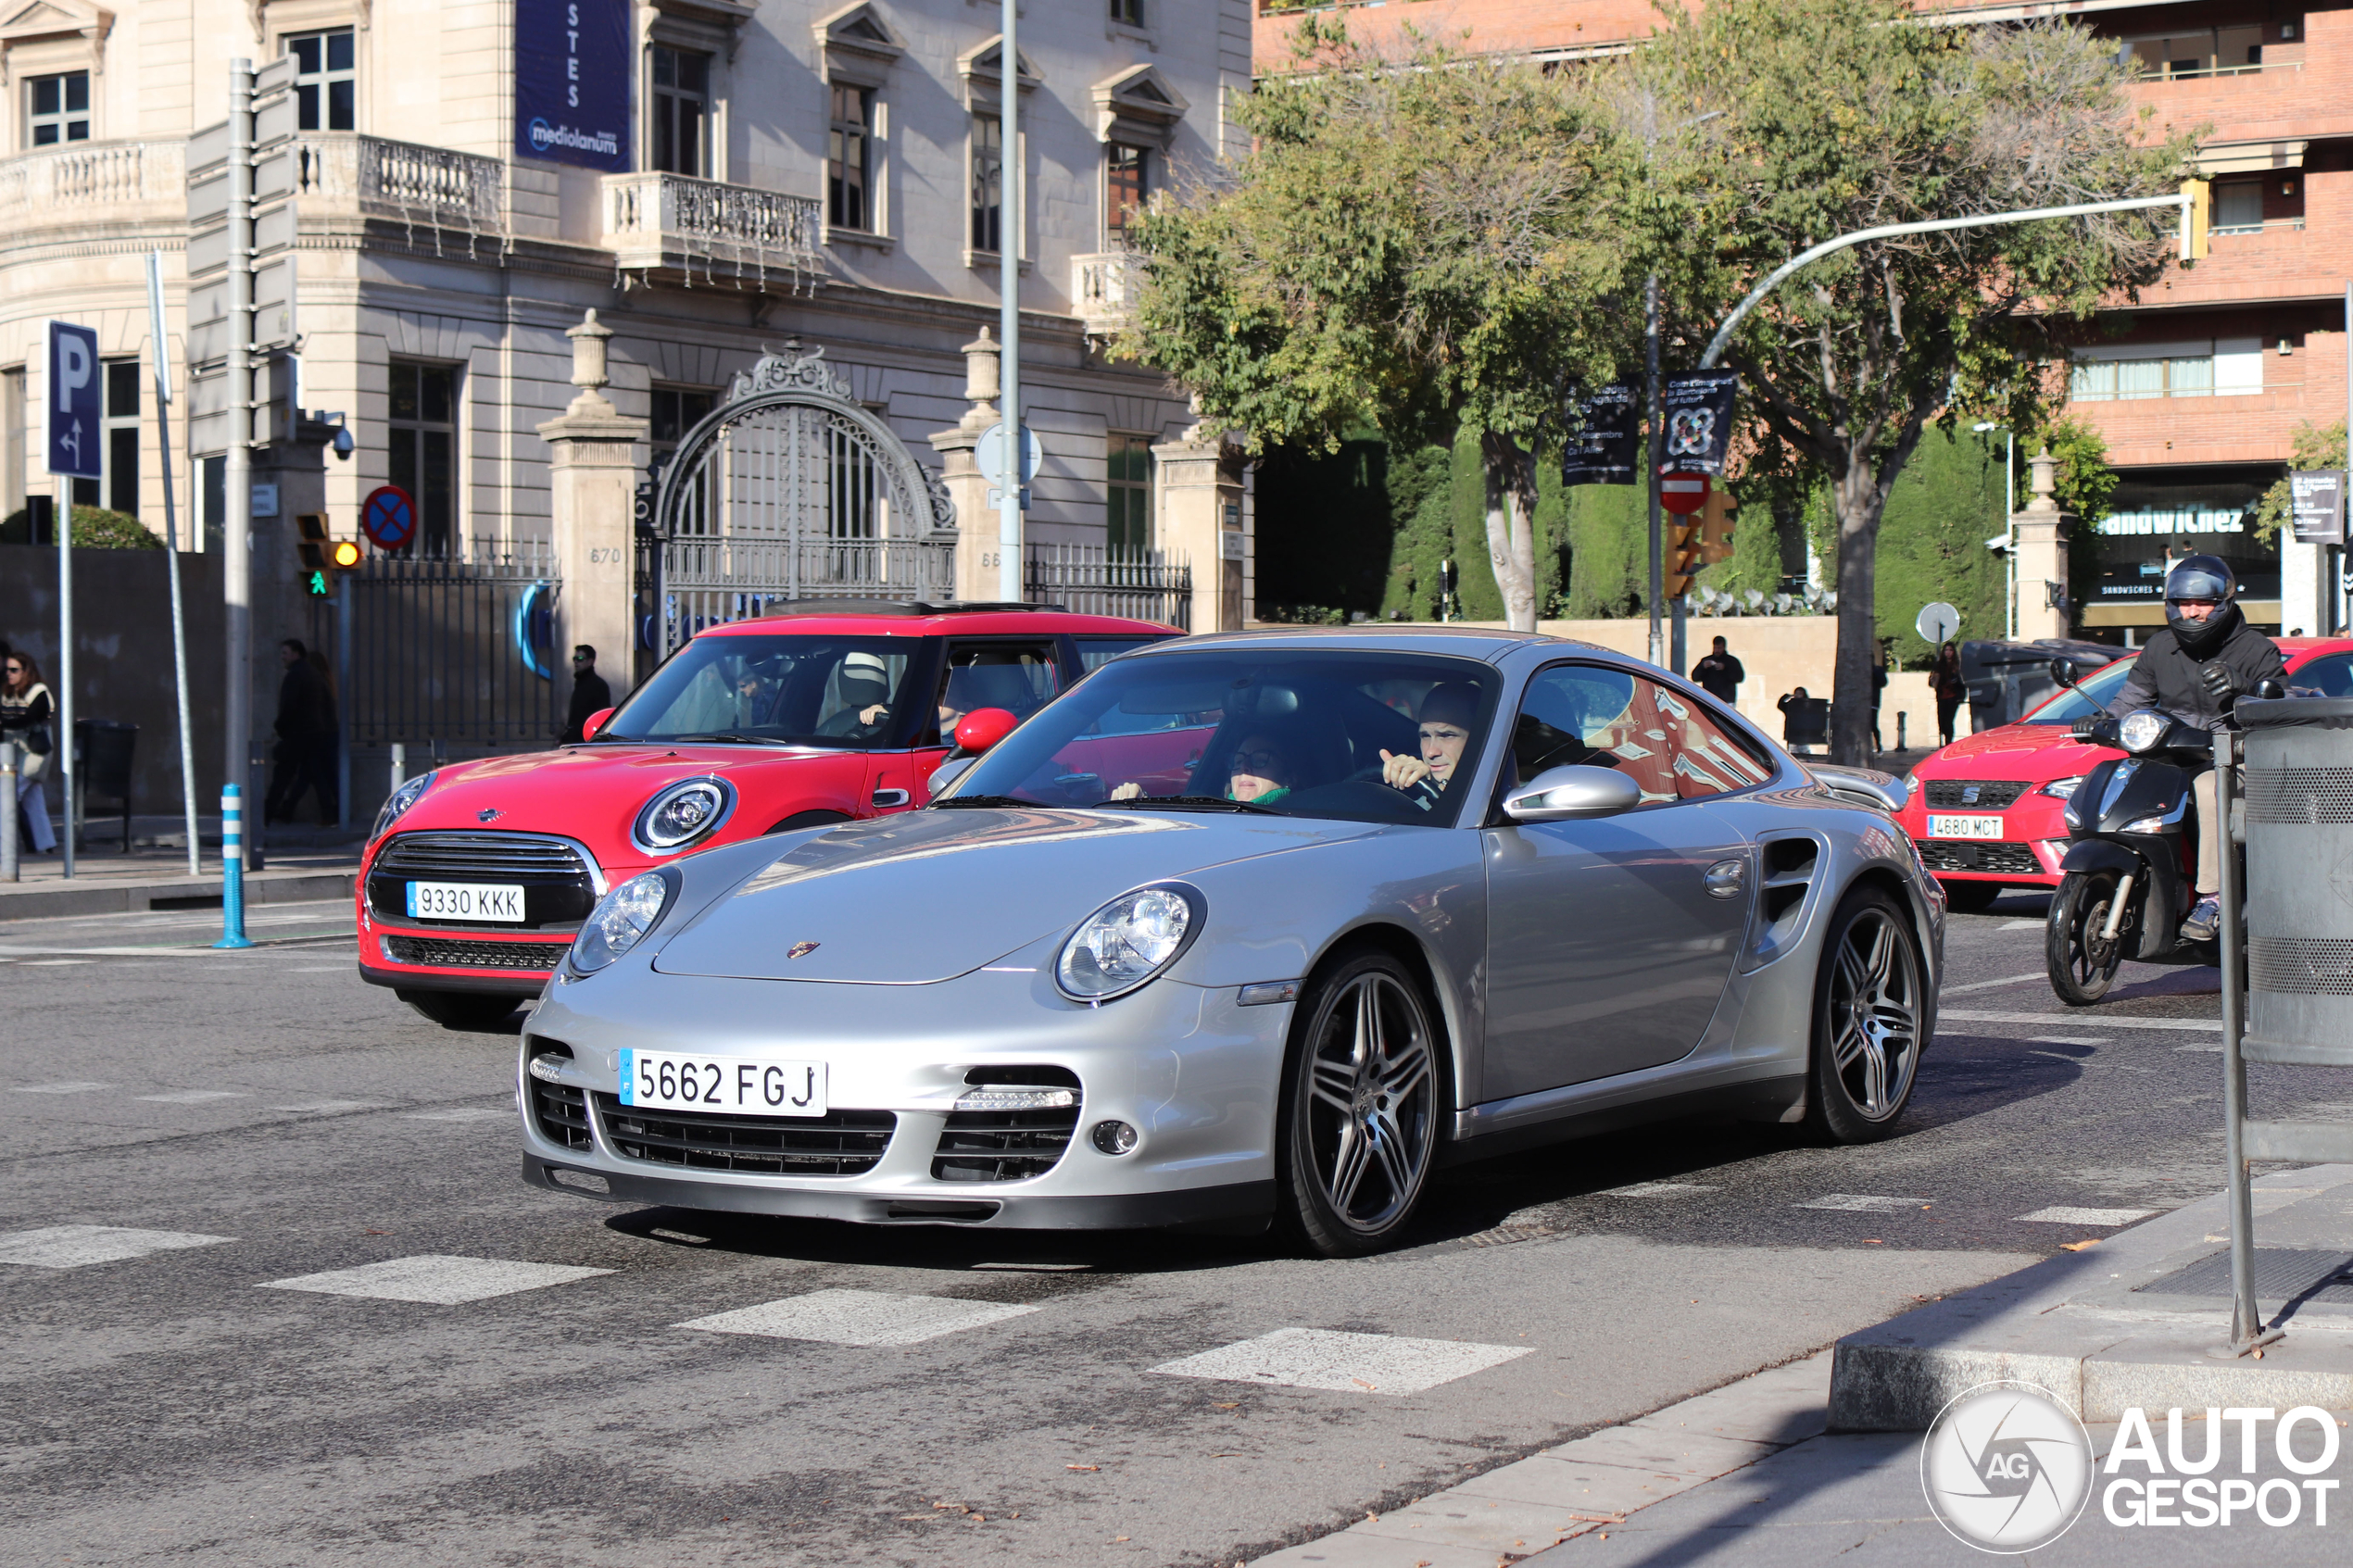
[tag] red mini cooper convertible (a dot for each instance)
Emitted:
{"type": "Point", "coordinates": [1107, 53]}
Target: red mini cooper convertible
{"type": "Point", "coordinates": [478, 874]}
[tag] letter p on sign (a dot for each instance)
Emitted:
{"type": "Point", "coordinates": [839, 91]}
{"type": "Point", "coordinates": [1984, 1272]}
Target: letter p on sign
{"type": "Point", "coordinates": [74, 410]}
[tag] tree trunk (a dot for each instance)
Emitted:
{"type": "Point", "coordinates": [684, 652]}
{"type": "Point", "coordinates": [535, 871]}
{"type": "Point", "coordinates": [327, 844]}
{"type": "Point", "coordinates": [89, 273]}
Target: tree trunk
{"type": "Point", "coordinates": [1510, 472]}
{"type": "Point", "coordinates": [1859, 500]}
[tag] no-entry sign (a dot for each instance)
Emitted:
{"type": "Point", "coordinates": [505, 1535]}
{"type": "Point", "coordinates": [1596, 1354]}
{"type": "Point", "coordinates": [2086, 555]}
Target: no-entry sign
{"type": "Point", "coordinates": [388, 516]}
{"type": "Point", "coordinates": [1683, 494]}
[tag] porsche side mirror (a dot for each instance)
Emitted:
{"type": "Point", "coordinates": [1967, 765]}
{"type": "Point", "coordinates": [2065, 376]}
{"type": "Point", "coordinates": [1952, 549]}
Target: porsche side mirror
{"type": "Point", "coordinates": [2063, 671]}
{"type": "Point", "coordinates": [983, 728]}
{"type": "Point", "coordinates": [1559, 795]}
{"type": "Point", "coordinates": [596, 721]}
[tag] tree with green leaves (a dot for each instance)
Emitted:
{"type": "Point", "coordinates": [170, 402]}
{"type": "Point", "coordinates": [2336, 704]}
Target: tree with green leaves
{"type": "Point", "coordinates": [1775, 125]}
{"type": "Point", "coordinates": [1420, 239]}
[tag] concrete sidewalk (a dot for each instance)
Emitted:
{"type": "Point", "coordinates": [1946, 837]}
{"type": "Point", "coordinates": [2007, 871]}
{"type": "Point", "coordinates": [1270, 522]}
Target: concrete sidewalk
{"type": "Point", "coordinates": [158, 879]}
{"type": "Point", "coordinates": [2133, 1320]}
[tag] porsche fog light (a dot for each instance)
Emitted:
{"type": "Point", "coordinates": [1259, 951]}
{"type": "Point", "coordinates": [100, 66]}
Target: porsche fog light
{"type": "Point", "coordinates": [1112, 1137]}
{"type": "Point", "coordinates": [620, 921]}
{"type": "Point", "coordinates": [683, 812]}
{"type": "Point", "coordinates": [2140, 731]}
{"type": "Point", "coordinates": [1126, 942]}
{"type": "Point", "coordinates": [1016, 1096]}
{"type": "Point", "coordinates": [397, 806]}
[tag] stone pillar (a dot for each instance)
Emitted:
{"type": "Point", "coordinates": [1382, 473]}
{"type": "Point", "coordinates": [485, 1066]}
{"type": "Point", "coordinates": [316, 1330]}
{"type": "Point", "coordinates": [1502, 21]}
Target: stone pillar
{"type": "Point", "coordinates": [593, 480]}
{"type": "Point", "coordinates": [2042, 530]}
{"type": "Point", "coordinates": [1201, 519]}
{"type": "Point", "coordinates": [977, 544]}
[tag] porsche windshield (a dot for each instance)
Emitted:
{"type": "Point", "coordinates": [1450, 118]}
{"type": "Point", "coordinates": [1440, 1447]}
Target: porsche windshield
{"type": "Point", "coordinates": [843, 692]}
{"type": "Point", "coordinates": [1359, 736]}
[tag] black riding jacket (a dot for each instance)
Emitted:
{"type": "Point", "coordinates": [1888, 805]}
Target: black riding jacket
{"type": "Point", "coordinates": [2167, 677]}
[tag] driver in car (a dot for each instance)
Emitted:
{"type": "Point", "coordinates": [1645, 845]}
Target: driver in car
{"type": "Point", "coordinates": [2196, 670]}
{"type": "Point", "coordinates": [1448, 713]}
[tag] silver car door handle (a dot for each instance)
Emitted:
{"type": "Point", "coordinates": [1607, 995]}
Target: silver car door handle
{"type": "Point", "coordinates": [1726, 879]}
{"type": "Point", "coordinates": [889, 797]}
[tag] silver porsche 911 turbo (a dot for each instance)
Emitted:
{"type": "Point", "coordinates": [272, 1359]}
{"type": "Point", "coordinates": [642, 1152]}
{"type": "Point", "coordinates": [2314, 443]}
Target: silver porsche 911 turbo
{"type": "Point", "coordinates": [1245, 928]}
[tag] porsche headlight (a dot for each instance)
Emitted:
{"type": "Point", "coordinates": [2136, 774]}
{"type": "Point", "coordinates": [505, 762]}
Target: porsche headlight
{"type": "Point", "coordinates": [397, 806]}
{"type": "Point", "coordinates": [1126, 942]}
{"type": "Point", "coordinates": [620, 921]}
{"type": "Point", "coordinates": [680, 813]}
{"type": "Point", "coordinates": [2140, 731]}
{"type": "Point", "coordinates": [2061, 789]}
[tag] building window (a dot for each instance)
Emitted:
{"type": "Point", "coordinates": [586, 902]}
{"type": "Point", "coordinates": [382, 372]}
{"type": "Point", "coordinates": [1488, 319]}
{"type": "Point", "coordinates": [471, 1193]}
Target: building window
{"type": "Point", "coordinates": [988, 182]}
{"type": "Point", "coordinates": [682, 108]}
{"type": "Point", "coordinates": [121, 420]}
{"type": "Point", "coordinates": [2227, 51]}
{"type": "Point", "coordinates": [1131, 497]}
{"type": "Point", "coordinates": [423, 428]}
{"type": "Point", "coordinates": [58, 108]}
{"type": "Point", "coordinates": [849, 159]}
{"type": "Point", "coordinates": [326, 80]}
{"type": "Point", "coordinates": [1127, 184]}
{"type": "Point", "coordinates": [2238, 207]}
{"type": "Point", "coordinates": [1128, 12]}
{"type": "Point", "coordinates": [676, 410]}
{"type": "Point", "coordinates": [2229, 368]}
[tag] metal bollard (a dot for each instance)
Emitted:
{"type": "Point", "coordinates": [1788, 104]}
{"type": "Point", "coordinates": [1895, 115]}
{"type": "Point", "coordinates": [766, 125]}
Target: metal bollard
{"type": "Point", "coordinates": [7, 810]}
{"type": "Point", "coordinates": [399, 766]}
{"type": "Point", "coordinates": [1900, 745]}
{"type": "Point", "coordinates": [232, 869]}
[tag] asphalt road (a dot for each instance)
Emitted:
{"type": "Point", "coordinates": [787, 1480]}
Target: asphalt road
{"type": "Point", "coordinates": [197, 1395]}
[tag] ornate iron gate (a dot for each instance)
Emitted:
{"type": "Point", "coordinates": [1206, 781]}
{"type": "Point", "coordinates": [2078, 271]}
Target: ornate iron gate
{"type": "Point", "coordinates": [791, 490]}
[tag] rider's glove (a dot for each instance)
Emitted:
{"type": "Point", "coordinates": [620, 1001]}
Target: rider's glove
{"type": "Point", "coordinates": [2219, 685]}
{"type": "Point", "coordinates": [2085, 726]}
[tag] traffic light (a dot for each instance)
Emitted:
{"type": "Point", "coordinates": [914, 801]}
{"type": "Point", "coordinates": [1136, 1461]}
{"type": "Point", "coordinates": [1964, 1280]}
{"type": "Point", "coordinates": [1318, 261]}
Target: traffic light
{"type": "Point", "coordinates": [1715, 528]}
{"type": "Point", "coordinates": [323, 559]}
{"type": "Point", "coordinates": [2196, 218]}
{"type": "Point", "coordinates": [1679, 555]}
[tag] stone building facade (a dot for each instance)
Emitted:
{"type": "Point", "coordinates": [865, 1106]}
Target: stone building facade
{"type": "Point", "coordinates": [788, 171]}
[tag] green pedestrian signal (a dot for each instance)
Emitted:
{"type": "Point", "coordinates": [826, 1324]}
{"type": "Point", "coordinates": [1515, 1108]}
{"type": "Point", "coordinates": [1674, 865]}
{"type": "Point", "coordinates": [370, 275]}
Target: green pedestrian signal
{"type": "Point", "coordinates": [318, 588]}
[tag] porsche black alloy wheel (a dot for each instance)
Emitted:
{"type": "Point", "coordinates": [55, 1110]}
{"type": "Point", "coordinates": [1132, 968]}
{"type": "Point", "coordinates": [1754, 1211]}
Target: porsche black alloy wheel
{"type": "Point", "coordinates": [1361, 1108]}
{"type": "Point", "coordinates": [1871, 1014]}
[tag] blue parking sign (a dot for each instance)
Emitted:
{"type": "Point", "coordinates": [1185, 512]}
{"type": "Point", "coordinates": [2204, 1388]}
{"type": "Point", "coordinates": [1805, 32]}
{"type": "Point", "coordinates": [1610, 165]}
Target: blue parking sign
{"type": "Point", "coordinates": [74, 410]}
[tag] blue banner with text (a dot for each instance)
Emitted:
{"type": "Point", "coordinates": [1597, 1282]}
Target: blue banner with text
{"type": "Point", "coordinates": [572, 82]}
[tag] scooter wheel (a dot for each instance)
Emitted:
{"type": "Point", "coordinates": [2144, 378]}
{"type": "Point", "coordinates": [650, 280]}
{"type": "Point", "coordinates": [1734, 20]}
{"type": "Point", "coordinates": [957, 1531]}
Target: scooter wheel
{"type": "Point", "coordinates": [2082, 966]}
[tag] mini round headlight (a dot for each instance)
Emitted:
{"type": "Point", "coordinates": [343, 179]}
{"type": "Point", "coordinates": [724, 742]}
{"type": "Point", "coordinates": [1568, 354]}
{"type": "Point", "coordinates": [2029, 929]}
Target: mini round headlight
{"type": "Point", "coordinates": [620, 921]}
{"type": "Point", "coordinates": [1126, 942]}
{"type": "Point", "coordinates": [2140, 731]}
{"type": "Point", "coordinates": [397, 806]}
{"type": "Point", "coordinates": [681, 813]}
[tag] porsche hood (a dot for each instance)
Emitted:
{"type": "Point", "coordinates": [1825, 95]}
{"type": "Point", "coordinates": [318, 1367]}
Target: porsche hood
{"type": "Point", "coordinates": [912, 899]}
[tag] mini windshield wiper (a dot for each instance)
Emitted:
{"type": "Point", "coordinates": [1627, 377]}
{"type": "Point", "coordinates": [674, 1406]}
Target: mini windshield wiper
{"type": "Point", "coordinates": [731, 738]}
{"type": "Point", "coordinates": [1187, 803]}
{"type": "Point", "coordinates": [984, 800]}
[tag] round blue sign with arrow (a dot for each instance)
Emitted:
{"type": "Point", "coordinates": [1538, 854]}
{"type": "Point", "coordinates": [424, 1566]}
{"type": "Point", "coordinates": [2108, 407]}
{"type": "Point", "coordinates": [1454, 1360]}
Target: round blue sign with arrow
{"type": "Point", "coordinates": [388, 516]}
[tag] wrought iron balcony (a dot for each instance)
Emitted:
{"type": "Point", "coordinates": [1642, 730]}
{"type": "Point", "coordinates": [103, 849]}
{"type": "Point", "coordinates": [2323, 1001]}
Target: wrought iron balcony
{"type": "Point", "coordinates": [675, 224]}
{"type": "Point", "coordinates": [436, 192]}
{"type": "Point", "coordinates": [85, 184]}
{"type": "Point", "coordinates": [1102, 289]}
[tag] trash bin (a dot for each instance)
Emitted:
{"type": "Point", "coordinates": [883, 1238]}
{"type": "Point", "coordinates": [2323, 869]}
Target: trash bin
{"type": "Point", "coordinates": [2298, 822]}
{"type": "Point", "coordinates": [2006, 680]}
{"type": "Point", "coordinates": [102, 754]}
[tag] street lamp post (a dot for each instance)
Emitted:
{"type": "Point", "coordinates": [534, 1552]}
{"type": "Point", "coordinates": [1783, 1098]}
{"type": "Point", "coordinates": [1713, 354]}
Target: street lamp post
{"type": "Point", "coordinates": [2009, 528]}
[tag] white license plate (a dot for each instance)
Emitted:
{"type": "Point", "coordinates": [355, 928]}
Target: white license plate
{"type": "Point", "coordinates": [1964, 827]}
{"type": "Point", "coordinates": [739, 1085]}
{"type": "Point", "coordinates": [466, 901]}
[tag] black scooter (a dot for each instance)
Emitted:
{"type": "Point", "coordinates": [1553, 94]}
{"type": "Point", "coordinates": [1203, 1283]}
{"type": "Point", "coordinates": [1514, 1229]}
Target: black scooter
{"type": "Point", "coordinates": [2128, 873]}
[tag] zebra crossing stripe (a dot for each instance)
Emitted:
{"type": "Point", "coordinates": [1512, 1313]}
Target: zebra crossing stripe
{"type": "Point", "coordinates": [1344, 1364]}
{"type": "Point", "coordinates": [74, 1246]}
{"type": "Point", "coordinates": [436, 1279]}
{"type": "Point", "coordinates": [862, 1317]}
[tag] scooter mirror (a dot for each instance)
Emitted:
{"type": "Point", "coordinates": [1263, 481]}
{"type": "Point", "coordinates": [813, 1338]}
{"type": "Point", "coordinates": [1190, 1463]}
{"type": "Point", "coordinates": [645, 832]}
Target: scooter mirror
{"type": "Point", "coordinates": [2269, 689]}
{"type": "Point", "coordinates": [2063, 671]}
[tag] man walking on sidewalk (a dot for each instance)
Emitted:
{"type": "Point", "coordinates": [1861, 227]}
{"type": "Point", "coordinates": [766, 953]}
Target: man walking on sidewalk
{"type": "Point", "coordinates": [1720, 674]}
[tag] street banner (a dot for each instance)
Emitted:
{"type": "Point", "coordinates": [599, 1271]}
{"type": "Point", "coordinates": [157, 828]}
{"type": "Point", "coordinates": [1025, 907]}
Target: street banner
{"type": "Point", "coordinates": [572, 82]}
{"type": "Point", "coordinates": [74, 413]}
{"type": "Point", "coordinates": [2316, 499]}
{"type": "Point", "coordinates": [1598, 446]}
{"type": "Point", "coordinates": [1698, 411]}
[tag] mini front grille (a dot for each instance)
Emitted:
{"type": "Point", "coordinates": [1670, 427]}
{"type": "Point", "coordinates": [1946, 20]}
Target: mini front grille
{"type": "Point", "coordinates": [1002, 1146]}
{"type": "Point", "coordinates": [1980, 795]}
{"type": "Point", "coordinates": [479, 855]}
{"type": "Point", "coordinates": [563, 1114]}
{"type": "Point", "coordinates": [842, 1143]}
{"type": "Point", "coordinates": [1955, 855]}
{"type": "Point", "coordinates": [529, 957]}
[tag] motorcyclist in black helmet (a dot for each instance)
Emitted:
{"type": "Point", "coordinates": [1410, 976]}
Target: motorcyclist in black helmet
{"type": "Point", "coordinates": [2196, 669]}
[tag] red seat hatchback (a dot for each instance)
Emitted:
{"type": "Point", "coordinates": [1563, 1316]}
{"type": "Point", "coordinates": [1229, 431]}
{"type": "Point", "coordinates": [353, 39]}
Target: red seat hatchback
{"type": "Point", "coordinates": [1985, 811]}
{"type": "Point", "coordinates": [478, 874]}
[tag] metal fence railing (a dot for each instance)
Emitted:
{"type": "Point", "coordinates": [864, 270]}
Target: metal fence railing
{"type": "Point", "coordinates": [1091, 580]}
{"type": "Point", "coordinates": [453, 649]}
{"type": "Point", "coordinates": [710, 579]}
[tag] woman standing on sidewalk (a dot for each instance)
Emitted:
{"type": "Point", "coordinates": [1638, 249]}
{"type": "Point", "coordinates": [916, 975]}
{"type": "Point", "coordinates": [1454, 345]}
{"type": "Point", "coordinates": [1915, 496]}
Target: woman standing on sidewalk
{"type": "Point", "coordinates": [26, 716]}
{"type": "Point", "coordinates": [1951, 690]}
